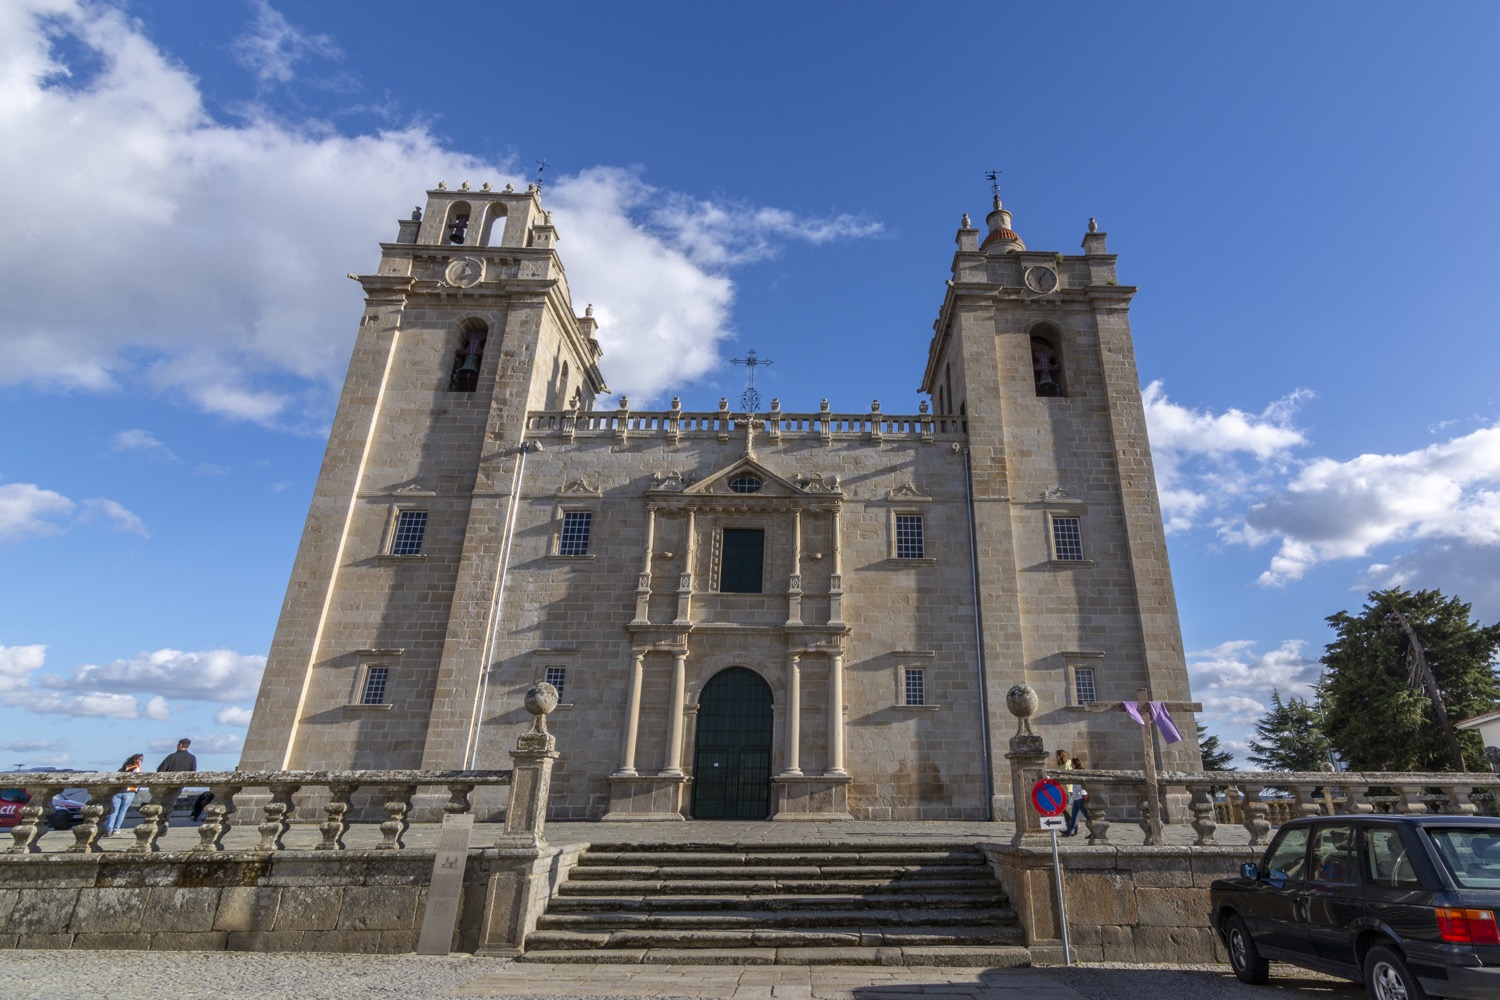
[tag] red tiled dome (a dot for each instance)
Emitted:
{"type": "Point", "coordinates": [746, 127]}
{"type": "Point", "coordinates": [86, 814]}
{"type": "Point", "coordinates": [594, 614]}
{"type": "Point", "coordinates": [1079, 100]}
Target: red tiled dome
{"type": "Point", "coordinates": [999, 234]}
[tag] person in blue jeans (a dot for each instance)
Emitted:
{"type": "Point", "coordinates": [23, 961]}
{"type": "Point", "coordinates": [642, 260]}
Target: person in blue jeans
{"type": "Point", "coordinates": [122, 800]}
{"type": "Point", "coordinates": [1079, 800]}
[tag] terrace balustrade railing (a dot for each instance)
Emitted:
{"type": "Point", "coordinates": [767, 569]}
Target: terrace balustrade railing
{"type": "Point", "coordinates": [1262, 800]}
{"type": "Point", "coordinates": [281, 792]}
{"type": "Point", "coordinates": [771, 425]}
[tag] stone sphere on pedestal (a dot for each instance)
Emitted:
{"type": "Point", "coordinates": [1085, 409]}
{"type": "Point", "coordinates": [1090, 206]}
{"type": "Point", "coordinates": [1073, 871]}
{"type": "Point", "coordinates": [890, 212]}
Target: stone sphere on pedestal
{"type": "Point", "coordinates": [541, 699]}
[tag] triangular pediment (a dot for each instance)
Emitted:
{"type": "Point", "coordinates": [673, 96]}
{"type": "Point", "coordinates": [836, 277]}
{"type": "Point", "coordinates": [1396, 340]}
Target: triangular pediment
{"type": "Point", "coordinates": [718, 483]}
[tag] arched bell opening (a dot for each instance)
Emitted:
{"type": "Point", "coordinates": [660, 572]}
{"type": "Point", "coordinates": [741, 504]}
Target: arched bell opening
{"type": "Point", "coordinates": [1047, 361]}
{"type": "Point", "coordinates": [493, 232]}
{"type": "Point", "coordinates": [456, 226]}
{"type": "Point", "coordinates": [473, 334]}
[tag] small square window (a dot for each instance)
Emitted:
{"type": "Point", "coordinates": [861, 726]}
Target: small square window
{"type": "Point", "coordinates": [558, 678]}
{"type": "Point", "coordinates": [574, 540]}
{"type": "Point", "coordinates": [914, 687]}
{"type": "Point", "coordinates": [411, 526]}
{"type": "Point", "coordinates": [375, 685]}
{"type": "Point", "coordinates": [910, 543]}
{"type": "Point", "coordinates": [1067, 538]}
{"type": "Point", "coordinates": [1083, 685]}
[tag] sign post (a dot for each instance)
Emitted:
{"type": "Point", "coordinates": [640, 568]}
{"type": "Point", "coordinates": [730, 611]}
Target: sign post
{"type": "Point", "coordinates": [1049, 799]}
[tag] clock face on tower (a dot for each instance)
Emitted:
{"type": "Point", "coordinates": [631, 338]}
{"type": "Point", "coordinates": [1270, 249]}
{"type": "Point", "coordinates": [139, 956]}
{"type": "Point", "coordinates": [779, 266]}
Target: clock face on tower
{"type": "Point", "coordinates": [1041, 279]}
{"type": "Point", "coordinates": [465, 272]}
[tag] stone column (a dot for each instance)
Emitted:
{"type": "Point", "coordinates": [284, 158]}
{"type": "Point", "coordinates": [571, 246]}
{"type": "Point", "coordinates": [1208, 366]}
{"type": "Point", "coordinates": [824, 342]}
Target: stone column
{"type": "Point", "coordinates": [685, 581]}
{"type": "Point", "coordinates": [794, 586]}
{"type": "Point", "coordinates": [836, 715]}
{"type": "Point", "coordinates": [836, 579]}
{"type": "Point", "coordinates": [633, 714]}
{"type": "Point", "coordinates": [793, 716]}
{"type": "Point", "coordinates": [673, 768]}
{"type": "Point", "coordinates": [643, 585]}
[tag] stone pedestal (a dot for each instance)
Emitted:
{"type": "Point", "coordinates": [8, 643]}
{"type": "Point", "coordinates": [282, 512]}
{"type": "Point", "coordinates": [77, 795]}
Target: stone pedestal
{"type": "Point", "coordinates": [530, 781]}
{"type": "Point", "coordinates": [1028, 759]}
{"type": "Point", "coordinates": [645, 798]}
{"type": "Point", "coordinates": [811, 797]}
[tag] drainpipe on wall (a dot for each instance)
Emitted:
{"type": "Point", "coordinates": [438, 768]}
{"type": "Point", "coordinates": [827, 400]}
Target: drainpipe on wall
{"type": "Point", "coordinates": [472, 750]}
{"type": "Point", "coordinates": [984, 704]}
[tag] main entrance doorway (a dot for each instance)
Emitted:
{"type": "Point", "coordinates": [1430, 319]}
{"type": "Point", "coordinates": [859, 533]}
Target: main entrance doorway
{"type": "Point", "coordinates": [732, 765]}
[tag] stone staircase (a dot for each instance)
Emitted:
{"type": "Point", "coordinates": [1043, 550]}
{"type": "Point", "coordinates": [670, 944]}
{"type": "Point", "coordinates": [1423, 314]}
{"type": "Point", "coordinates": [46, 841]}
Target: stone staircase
{"type": "Point", "coordinates": [888, 903]}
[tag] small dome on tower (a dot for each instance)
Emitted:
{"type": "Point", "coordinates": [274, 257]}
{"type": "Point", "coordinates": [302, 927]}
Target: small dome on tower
{"type": "Point", "coordinates": [1001, 238]}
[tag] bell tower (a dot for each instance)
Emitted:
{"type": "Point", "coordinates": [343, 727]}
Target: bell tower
{"type": "Point", "coordinates": [1032, 355]}
{"type": "Point", "coordinates": [467, 325]}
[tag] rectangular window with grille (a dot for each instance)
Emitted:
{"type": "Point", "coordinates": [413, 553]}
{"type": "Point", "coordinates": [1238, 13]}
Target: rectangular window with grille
{"type": "Point", "coordinates": [915, 687]}
{"type": "Point", "coordinates": [1083, 684]}
{"type": "Point", "coordinates": [909, 541]}
{"type": "Point", "coordinates": [375, 684]}
{"type": "Point", "coordinates": [558, 678]}
{"type": "Point", "coordinates": [411, 526]}
{"type": "Point", "coordinates": [1067, 538]}
{"type": "Point", "coordinates": [574, 540]}
{"type": "Point", "coordinates": [744, 561]}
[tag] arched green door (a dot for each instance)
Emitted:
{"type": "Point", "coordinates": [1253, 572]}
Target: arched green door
{"type": "Point", "coordinates": [732, 764]}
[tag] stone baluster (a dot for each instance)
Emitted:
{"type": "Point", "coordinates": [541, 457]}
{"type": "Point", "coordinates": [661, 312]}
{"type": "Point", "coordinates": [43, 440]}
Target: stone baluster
{"type": "Point", "coordinates": [1234, 810]}
{"type": "Point", "coordinates": [1255, 815]}
{"type": "Point", "coordinates": [215, 825]}
{"type": "Point", "coordinates": [458, 798]}
{"type": "Point", "coordinates": [278, 812]}
{"type": "Point", "coordinates": [337, 809]}
{"type": "Point", "coordinates": [1098, 821]}
{"type": "Point", "coordinates": [1148, 807]}
{"type": "Point", "coordinates": [1459, 803]}
{"type": "Point", "coordinates": [152, 821]}
{"type": "Point", "coordinates": [1203, 814]}
{"type": "Point", "coordinates": [570, 423]}
{"type": "Point", "coordinates": [674, 420]}
{"type": "Point", "coordinates": [825, 432]}
{"type": "Point", "coordinates": [167, 794]}
{"type": "Point", "coordinates": [397, 805]}
{"type": "Point", "coordinates": [86, 832]}
{"type": "Point", "coordinates": [30, 827]}
{"type": "Point", "coordinates": [1410, 800]}
{"type": "Point", "coordinates": [1307, 804]}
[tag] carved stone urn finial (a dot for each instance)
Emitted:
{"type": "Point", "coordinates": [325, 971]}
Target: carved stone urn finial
{"type": "Point", "coordinates": [1023, 703]}
{"type": "Point", "coordinates": [540, 700]}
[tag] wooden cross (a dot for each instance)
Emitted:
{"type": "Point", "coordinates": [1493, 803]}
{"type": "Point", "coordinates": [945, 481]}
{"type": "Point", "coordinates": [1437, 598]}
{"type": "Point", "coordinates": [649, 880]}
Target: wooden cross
{"type": "Point", "coordinates": [1148, 752]}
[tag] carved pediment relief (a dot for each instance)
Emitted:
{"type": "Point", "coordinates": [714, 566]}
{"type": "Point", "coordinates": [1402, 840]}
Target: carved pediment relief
{"type": "Point", "coordinates": [907, 492]}
{"type": "Point", "coordinates": [580, 487]}
{"type": "Point", "coordinates": [669, 480]}
{"type": "Point", "coordinates": [817, 483]}
{"type": "Point", "coordinates": [745, 478]}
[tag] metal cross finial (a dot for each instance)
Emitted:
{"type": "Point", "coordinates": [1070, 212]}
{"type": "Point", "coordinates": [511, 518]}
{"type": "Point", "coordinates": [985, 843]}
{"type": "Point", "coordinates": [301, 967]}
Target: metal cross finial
{"type": "Point", "coordinates": [541, 166]}
{"type": "Point", "coordinates": [750, 399]}
{"type": "Point", "coordinates": [994, 176]}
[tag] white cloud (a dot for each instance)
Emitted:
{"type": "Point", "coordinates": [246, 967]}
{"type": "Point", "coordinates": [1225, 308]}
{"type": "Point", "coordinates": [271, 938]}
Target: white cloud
{"type": "Point", "coordinates": [233, 716]}
{"type": "Point", "coordinates": [1205, 459]}
{"type": "Point", "coordinates": [214, 743]}
{"type": "Point", "coordinates": [143, 441]}
{"type": "Point", "coordinates": [218, 675]}
{"type": "Point", "coordinates": [1445, 493]}
{"type": "Point", "coordinates": [28, 511]}
{"type": "Point", "coordinates": [1234, 683]}
{"type": "Point", "coordinates": [274, 47]}
{"type": "Point", "coordinates": [248, 227]}
{"type": "Point", "coordinates": [137, 688]}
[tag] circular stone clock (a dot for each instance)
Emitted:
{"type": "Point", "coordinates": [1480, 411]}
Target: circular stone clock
{"type": "Point", "coordinates": [1041, 279]}
{"type": "Point", "coordinates": [465, 272]}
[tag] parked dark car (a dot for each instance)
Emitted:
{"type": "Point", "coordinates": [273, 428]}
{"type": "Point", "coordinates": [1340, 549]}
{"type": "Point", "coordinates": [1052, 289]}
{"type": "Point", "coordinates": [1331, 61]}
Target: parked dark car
{"type": "Point", "coordinates": [1404, 904]}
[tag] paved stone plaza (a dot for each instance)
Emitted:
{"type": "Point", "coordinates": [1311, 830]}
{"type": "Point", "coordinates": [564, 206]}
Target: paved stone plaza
{"type": "Point", "coordinates": [134, 975]}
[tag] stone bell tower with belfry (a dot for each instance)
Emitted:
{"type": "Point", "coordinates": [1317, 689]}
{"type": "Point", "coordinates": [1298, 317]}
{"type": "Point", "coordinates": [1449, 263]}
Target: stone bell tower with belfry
{"type": "Point", "coordinates": [467, 325]}
{"type": "Point", "coordinates": [1032, 350]}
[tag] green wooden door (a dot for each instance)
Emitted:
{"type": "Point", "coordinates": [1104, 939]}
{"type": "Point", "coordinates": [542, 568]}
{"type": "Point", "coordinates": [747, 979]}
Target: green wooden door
{"type": "Point", "coordinates": [732, 765]}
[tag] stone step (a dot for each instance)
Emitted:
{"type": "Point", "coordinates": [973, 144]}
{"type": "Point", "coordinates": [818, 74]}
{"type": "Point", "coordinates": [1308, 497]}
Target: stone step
{"type": "Point", "coordinates": [969, 901]}
{"type": "Point", "coordinates": [765, 886]}
{"type": "Point", "coordinates": [723, 919]}
{"type": "Point", "coordinates": [960, 956]}
{"type": "Point", "coordinates": [691, 939]}
{"type": "Point", "coordinates": [670, 871]}
{"type": "Point", "coordinates": [725, 858]}
{"type": "Point", "coordinates": [789, 847]}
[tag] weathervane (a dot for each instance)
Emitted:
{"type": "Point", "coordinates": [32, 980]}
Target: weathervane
{"type": "Point", "coordinates": [541, 165]}
{"type": "Point", "coordinates": [994, 176]}
{"type": "Point", "coordinates": [750, 399]}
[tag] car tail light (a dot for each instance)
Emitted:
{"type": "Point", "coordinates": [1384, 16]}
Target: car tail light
{"type": "Point", "coordinates": [1468, 926]}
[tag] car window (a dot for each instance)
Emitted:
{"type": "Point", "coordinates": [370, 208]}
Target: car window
{"type": "Point", "coordinates": [1288, 855]}
{"type": "Point", "coordinates": [12, 795]}
{"type": "Point", "coordinates": [1333, 855]}
{"type": "Point", "coordinates": [1470, 853]}
{"type": "Point", "coordinates": [1386, 860]}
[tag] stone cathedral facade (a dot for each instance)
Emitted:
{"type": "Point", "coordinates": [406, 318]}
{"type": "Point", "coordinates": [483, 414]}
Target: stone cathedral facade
{"type": "Point", "coordinates": [796, 614]}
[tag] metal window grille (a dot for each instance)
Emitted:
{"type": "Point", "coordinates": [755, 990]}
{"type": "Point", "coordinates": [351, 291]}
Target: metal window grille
{"type": "Point", "coordinates": [375, 682]}
{"type": "Point", "coordinates": [744, 561]}
{"type": "Point", "coordinates": [1083, 684]}
{"type": "Point", "coordinates": [916, 686]}
{"type": "Point", "coordinates": [574, 540]}
{"type": "Point", "coordinates": [557, 677]}
{"type": "Point", "coordinates": [411, 525]}
{"type": "Point", "coordinates": [909, 541]}
{"type": "Point", "coordinates": [1067, 538]}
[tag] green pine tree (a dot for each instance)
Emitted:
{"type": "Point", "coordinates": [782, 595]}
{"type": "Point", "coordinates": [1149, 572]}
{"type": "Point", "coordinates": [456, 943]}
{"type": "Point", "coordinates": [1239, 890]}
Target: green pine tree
{"type": "Point", "coordinates": [1215, 757]}
{"type": "Point", "coordinates": [1289, 737]}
